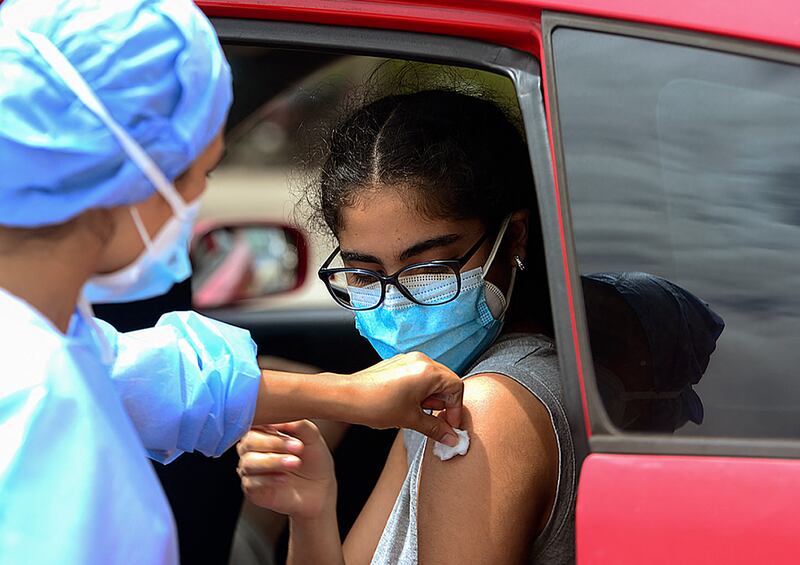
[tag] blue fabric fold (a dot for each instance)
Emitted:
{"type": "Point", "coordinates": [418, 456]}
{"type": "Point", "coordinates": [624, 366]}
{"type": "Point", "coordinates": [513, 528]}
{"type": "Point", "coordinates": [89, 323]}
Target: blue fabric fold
{"type": "Point", "coordinates": [189, 384]}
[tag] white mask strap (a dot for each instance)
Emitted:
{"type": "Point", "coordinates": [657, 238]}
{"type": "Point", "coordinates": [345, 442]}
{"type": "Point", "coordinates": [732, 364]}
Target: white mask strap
{"type": "Point", "coordinates": [492, 254]}
{"type": "Point", "coordinates": [75, 82]}
{"type": "Point", "coordinates": [106, 352]}
{"type": "Point", "coordinates": [497, 243]}
{"type": "Point", "coordinates": [137, 220]}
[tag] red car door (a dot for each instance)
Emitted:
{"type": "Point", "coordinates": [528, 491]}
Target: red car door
{"type": "Point", "coordinates": [678, 155]}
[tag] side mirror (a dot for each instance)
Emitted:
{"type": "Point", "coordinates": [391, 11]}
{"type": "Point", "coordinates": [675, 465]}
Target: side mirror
{"type": "Point", "coordinates": [235, 262]}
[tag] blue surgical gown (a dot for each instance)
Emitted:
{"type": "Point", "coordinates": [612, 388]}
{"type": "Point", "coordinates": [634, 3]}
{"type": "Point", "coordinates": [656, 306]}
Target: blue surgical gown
{"type": "Point", "coordinates": [75, 486]}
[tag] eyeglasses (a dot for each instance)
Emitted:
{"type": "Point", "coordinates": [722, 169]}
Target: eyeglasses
{"type": "Point", "coordinates": [362, 289]}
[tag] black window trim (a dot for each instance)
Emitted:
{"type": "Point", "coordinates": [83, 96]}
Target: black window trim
{"type": "Point", "coordinates": [605, 437]}
{"type": "Point", "coordinates": [525, 73]}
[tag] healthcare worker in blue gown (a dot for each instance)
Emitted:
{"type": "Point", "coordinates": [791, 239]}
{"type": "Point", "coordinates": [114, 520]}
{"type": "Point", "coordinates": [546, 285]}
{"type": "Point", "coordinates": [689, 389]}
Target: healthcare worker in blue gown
{"type": "Point", "coordinates": [110, 119]}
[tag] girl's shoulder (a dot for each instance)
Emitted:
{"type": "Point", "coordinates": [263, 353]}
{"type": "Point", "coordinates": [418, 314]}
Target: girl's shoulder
{"type": "Point", "coordinates": [529, 359]}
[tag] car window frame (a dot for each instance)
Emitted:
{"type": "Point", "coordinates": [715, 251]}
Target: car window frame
{"type": "Point", "coordinates": [604, 437]}
{"type": "Point", "coordinates": [523, 69]}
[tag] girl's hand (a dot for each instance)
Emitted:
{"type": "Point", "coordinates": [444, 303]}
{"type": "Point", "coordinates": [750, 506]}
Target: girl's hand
{"type": "Point", "coordinates": [288, 468]}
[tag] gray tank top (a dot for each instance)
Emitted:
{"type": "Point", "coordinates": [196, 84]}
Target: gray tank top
{"type": "Point", "coordinates": [531, 361]}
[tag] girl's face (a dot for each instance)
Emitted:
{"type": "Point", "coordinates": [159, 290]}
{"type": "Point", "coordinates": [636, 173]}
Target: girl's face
{"type": "Point", "coordinates": [384, 232]}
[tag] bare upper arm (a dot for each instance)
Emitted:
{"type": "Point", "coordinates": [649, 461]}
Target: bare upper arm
{"type": "Point", "coordinates": [489, 505]}
{"type": "Point", "coordinates": [363, 538]}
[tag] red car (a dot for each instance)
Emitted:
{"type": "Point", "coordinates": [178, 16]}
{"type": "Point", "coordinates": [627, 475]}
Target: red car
{"type": "Point", "coordinates": [664, 137]}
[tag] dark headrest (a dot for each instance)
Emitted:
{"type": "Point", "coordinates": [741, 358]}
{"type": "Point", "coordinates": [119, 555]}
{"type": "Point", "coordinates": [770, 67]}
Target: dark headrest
{"type": "Point", "coordinates": [641, 319]}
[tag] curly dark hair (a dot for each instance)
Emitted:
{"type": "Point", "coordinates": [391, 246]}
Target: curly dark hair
{"type": "Point", "coordinates": [453, 155]}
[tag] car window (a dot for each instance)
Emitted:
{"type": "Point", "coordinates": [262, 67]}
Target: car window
{"type": "Point", "coordinates": [285, 102]}
{"type": "Point", "coordinates": [684, 163]}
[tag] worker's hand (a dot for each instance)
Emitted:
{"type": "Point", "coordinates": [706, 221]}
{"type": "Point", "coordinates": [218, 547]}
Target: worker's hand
{"type": "Point", "coordinates": [394, 392]}
{"type": "Point", "coordinates": [288, 468]}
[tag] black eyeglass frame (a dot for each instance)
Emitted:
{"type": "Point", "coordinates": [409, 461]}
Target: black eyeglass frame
{"type": "Point", "coordinates": [454, 265]}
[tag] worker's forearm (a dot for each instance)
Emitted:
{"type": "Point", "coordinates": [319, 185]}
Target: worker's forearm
{"type": "Point", "coordinates": [283, 397]}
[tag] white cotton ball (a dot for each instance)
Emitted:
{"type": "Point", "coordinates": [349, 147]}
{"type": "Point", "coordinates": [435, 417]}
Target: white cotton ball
{"type": "Point", "coordinates": [445, 452]}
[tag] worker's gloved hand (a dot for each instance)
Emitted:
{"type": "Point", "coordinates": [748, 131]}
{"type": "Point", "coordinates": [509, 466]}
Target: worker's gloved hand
{"type": "Point", "coordinates": [394, 393]}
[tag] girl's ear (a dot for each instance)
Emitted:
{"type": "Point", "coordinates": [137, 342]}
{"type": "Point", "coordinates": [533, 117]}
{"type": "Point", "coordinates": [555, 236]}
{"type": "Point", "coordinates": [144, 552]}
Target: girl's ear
{"type": "Point", "coordinates": [517, 235]}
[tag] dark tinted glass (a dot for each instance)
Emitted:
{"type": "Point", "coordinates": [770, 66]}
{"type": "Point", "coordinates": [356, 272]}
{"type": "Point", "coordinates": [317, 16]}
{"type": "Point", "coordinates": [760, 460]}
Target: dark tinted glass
{"type": "Point", "coordinates": [684, 163]}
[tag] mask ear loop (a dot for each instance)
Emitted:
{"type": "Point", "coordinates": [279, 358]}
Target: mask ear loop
{"type": "Point", "coordinates": [490, 259]}
{"type": "Point", "coordinates": [137, 221]}
{"type": "Point", "coordinates": [497, 242]}
{"type": "Point", "coordinates": [76, 83]}
{"type": "Point", "coordinates": [106, 351]}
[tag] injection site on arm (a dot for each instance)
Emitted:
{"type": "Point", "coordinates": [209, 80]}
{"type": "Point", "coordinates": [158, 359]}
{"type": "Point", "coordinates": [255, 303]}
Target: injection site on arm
{"type": "Point", "coordinates": [445, 452]}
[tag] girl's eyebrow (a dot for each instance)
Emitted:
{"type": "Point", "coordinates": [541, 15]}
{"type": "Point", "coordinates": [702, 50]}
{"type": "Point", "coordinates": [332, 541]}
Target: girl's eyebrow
{"type": "Point", "coordinates": [359, 257]}
{"type": "Point", "coordinates": [428, 244]}
{"type": "Point", "coordinates": [416, 249]}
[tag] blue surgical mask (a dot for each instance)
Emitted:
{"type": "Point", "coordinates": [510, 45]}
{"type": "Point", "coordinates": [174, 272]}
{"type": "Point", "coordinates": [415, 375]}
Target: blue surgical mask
{"type": "Point", "coordinates": [454, 333]}
{"type": "Point", "coordinates": [164, 262]}
{"type": "Point", "coordinates": [165, 259]}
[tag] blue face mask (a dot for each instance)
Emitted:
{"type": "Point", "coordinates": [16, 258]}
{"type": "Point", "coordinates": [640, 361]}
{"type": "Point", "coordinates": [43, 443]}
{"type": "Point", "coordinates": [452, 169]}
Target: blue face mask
{"type": "Point", "coordinates": [164, 262]}
{"type": "Point", "coordinates": [453, 334]}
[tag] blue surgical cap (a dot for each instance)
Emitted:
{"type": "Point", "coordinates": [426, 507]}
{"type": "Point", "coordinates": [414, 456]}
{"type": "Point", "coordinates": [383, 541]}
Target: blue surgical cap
{"type": "Point", "coordinates": [156, 65]}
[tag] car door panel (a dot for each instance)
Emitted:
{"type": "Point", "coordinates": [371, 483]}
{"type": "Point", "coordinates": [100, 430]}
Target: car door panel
{"type": "Point", "coordinates": [641, 122]}
{"type": "Point", "coordinates": [691, 510]}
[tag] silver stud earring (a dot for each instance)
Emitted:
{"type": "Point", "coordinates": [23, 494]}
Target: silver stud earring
{"type": "Point", "coordinates": [520, 263]}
